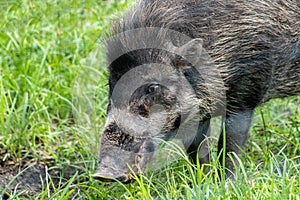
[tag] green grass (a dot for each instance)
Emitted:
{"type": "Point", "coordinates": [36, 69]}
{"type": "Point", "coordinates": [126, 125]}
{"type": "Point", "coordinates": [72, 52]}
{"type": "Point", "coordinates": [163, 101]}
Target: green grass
{"type": "Point", "coordinates": [52, 112]}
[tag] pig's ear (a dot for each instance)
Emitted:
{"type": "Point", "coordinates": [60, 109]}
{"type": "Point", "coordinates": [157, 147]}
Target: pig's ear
{"type": "Point", "coordinates": [192, 51]}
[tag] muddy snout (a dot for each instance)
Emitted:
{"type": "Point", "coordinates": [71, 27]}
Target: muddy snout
{"type": "Point", "coordinates": [109, 174]}
{"type": "Point", "coordinates": [120, 165]}
{"type": "Point", "coordinates": [117, 164]}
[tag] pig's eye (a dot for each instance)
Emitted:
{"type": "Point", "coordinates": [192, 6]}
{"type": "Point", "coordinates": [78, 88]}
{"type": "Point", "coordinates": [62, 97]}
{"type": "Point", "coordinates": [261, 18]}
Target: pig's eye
{"type": "Point", "coordinates": [154, 88]}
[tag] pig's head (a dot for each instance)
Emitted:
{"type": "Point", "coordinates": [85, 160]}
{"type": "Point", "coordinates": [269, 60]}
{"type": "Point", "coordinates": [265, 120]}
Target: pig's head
{"type": "Point", "coordinates": [133, 133]}
{"type": "Point", "coordinates": [156, 94]}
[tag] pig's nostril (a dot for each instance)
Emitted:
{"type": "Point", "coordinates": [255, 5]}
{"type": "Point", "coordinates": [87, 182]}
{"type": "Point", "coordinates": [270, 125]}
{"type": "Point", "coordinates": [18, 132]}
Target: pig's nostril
{"type": "Point", "coordinates": [138, 159]}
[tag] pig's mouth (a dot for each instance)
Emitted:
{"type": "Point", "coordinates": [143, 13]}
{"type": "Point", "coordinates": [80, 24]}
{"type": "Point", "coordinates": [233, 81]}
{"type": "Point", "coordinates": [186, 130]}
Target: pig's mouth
{"type": "Point", "coordinates": [106, 175]}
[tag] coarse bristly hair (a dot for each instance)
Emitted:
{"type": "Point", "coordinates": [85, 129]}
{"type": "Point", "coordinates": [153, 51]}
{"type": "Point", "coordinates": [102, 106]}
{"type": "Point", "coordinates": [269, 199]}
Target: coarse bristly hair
{"type": "Point", "coordinates": [255, 44]}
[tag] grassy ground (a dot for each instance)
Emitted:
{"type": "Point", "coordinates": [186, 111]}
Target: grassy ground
{"type": "Point", "coordinates": [49, 126]}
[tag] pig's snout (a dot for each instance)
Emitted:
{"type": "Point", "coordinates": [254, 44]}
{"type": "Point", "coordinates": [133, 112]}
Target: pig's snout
{"type": "Point", "coordinates": [117, 168]}
{"type": "Point", "coordinates": [109, 171]}
{"type": "Point", "coordinates": [122, 166]}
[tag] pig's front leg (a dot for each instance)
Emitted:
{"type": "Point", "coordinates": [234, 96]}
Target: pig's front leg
{"type": "Point", "coordinates": [202, 153]}
{"type": "Point", "coordinates": [237, 127]}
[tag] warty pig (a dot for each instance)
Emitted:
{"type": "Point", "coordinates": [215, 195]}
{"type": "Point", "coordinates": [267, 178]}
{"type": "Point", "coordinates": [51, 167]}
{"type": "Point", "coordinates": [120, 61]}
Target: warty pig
{"type": "Point", "coordinates": [173, 65]}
